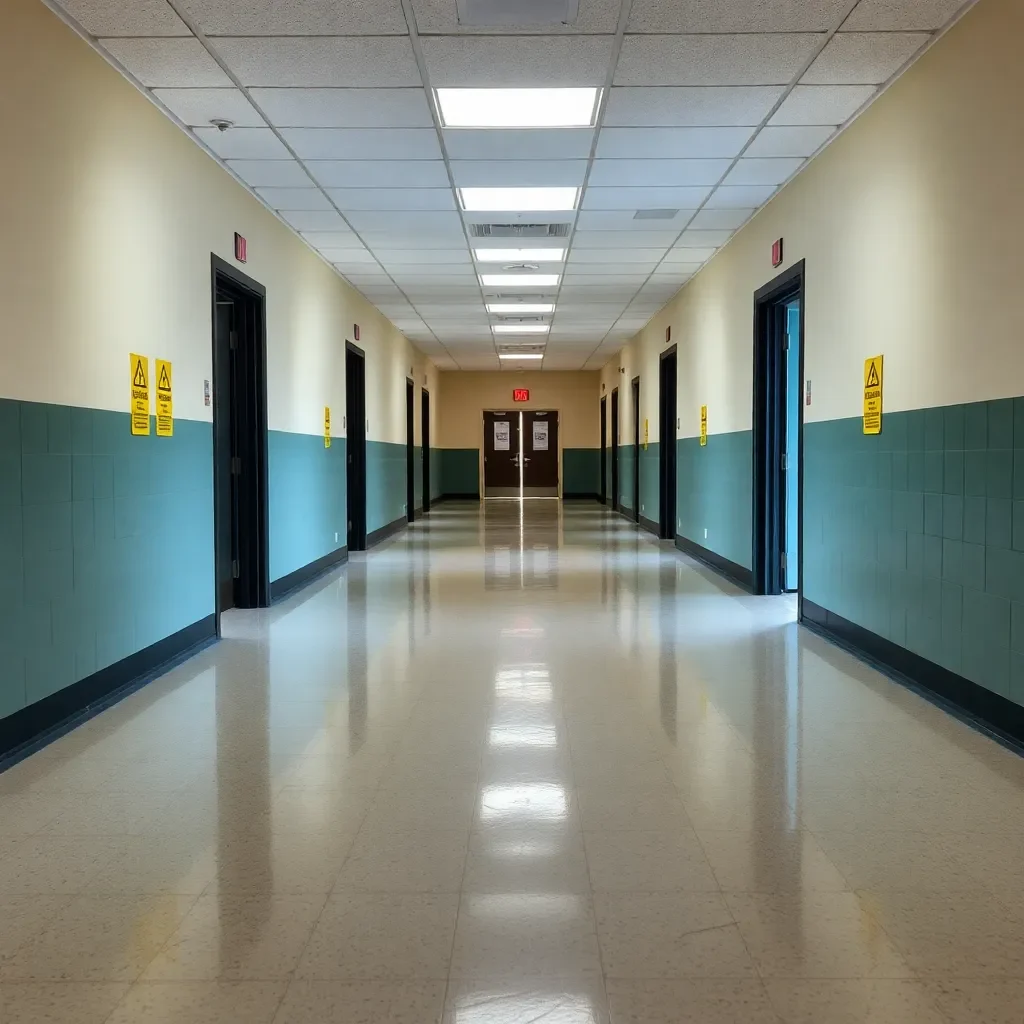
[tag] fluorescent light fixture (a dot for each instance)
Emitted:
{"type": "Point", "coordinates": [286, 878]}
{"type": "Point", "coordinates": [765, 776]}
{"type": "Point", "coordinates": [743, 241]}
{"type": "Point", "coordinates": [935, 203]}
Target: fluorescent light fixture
{"type": "Point", "coordinates": [519, 280]}
{"type": "Point", "coordinates": [520, 307]}
{"type": "Point", "coordinates": [520, 355]}
{"type": "Point", "coordinates": [521, 328]}
{"type": "Point", "coordinates": [520, 255]}
{"type": "Point", "coordinates": [505, 200]}
{"type": "Point", "coordinates": [518, 108]}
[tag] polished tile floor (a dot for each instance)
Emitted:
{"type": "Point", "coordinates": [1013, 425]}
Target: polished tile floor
{"type": "Point", "coordinates": [518, 765]}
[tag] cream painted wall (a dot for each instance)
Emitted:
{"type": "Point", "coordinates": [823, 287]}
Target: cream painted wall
{"type": "Point", "coordinates": [910, 225]}
{"type": "Point", "coordinates": [109, 214]}
{"type": "Point", "coordinates": [465, 396]}
{"type": "Point", "coordinates": [636, 359]}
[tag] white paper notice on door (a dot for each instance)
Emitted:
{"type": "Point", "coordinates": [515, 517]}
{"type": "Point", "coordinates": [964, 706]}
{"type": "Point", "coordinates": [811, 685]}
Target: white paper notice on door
{"type": "Point", "coordinates": [540, 435]}
{"type": "Point", "coordinates": [502, 433]}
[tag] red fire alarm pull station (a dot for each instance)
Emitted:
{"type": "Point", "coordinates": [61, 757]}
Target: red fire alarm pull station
{"type": "Point", "coordinates": [355, 331]}
{"type": "Point", "coordinates": [240, 248]}
{"type": "Point", "coordinates": [668, 334]}
{"type": "Point", "coordinates": [777, 252]}
{"type": "Point", "coordinates": [521, 395]}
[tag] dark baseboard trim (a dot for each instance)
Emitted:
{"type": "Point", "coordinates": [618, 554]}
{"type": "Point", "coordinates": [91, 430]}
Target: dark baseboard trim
{"type": "Point", "coordinates": [998, 717]}
{"type": "Point", "coordinates": [732, 571]}
{"type": "Point", "coordinates": [300, 577]}
{"type": "Point", "coordinates": [581, 496]}
{"type": "Point", "coordinates": [650, 526]}
{"type": "Point", "coordinates": [417, 512]}
{"type": "Point", "coordinates": [382, 534]}
{"type": "Point", "coordinates": [32, 728]}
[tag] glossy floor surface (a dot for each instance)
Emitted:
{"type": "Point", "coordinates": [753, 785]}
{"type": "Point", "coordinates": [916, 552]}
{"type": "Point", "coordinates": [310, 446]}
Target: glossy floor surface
{"type": "Point", "coordinates": [517, 765]}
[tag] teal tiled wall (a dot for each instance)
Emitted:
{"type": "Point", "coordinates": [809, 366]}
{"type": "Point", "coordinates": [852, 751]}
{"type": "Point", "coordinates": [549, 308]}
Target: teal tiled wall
{"type": "Point", "coordinates": [435, 474]}
{"type": "Point", "coordinates": [918, 534]}
{"type": "Point", "coordinates": [626, 476]}
{"type": "Point", "coordinates": [106, 542]}
{"type": "Point", "coordinates": [581, 470]}
{"type": "Point", "coordinates": [459, 470]}
{"type": "Point", "coordinates": [650, 482]}
{"type": "Point", "coordinates": [418, 476]}
{"type": "Point", "coordinates": [306, 495]}
{"type": "Point", "coordinates": [385, 484]}
{"type": "Point", "coordinates": [713, 493]}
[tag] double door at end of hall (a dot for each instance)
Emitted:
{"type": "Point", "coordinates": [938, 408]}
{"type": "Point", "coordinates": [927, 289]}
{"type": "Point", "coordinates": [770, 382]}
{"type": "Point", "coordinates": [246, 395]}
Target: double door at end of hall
{"type": "Point", "coordinates": [521, 454]}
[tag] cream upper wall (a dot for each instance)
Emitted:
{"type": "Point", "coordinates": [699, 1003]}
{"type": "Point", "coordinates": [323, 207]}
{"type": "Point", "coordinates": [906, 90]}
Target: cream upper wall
{"type": "Point", "coordinates": [910, 225]}
{"type": "Point", "coordinates": [465, 396]}
{"type": "Point", "coordinates": [109, 214]}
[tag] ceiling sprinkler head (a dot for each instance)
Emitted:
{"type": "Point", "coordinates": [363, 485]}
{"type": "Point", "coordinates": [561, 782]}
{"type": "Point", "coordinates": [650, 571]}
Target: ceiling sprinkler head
{"type": "Point", "coordinates": [222, 124]}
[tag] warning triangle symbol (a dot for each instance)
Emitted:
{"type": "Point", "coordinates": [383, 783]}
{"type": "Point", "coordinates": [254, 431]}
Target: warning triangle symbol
{"type": "Point", "coordinates": [139, 380]}
{"type": "Point", "coordinates": [164, 383]}
{"type": "Point", "coordinates": [872, 381]}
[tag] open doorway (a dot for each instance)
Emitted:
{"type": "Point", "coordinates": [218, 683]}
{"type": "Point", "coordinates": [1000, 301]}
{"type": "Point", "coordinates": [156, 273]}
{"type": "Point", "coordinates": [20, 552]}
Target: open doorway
{"type": "Point", "coordinates": [410, 450]}
{"type": "Point", "coordinates": [616, 502]}
{"type": "Point", "coordinates": [604, 451]}
{"type": "Point", "coordinates": [241, 530]}
{"type": "Point", "coordinates": [778, 426]}
{"type": "Point", "coordinates": [355, 467]}
{"type": "Point", "coordinates": [425, 445]}
{"type": "Point", "coordinates": [667, 451]}
{"type": "Point", "coordinates": [636, 448]}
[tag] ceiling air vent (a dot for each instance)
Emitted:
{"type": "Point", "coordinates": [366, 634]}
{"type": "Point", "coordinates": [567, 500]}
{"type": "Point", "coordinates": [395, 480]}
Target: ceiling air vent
{"type": "Point", "coordinates": [654, 214]}
{"type": "Point", "coordinates": [516, 13]}
{"type": "Point", "coordinates": [519, 230]}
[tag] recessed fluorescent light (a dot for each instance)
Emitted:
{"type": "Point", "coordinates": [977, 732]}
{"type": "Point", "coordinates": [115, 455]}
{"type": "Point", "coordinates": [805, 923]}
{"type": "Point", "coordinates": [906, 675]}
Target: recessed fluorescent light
{"type": "Point", "coordinates": [505, 200]}
{"type": "Point", "coordinates": [521, 328]}
{"type": "Point", "coordinates": [519, 280]}
{"type": "Point", "coordinates": [519, 255]}
{"type": "Point", "coordinates": [520, 355]}
{"type": "Point", "coordinates": [517, 108]}
{"type": "Point", "coordinates": [520, 307]}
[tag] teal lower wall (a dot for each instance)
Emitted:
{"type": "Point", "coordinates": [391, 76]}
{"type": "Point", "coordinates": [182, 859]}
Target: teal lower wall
{"type": "Point", "coordinates": [626, 476]}
{"type": "Point", "coordinates": [714, 494]}
{"type": "Point", "coordinates": [917, 534]}
{"type": "Point", "coordinates": [306, 498]}
{"type": "Point", "coordinates": [418, 475]}
{"type": "Point", "coordinates": [459, 470]}
{"type": "Point", "coordinates": [435, 474]}
{"type": "Point", "coordinates": [650, 482]}
{"type": "Point", "coordinates": [385, 484]}
{"type": "Point", "coordinates": [581, 471]}
{"type": "Point", "coordinates": [106, 542]}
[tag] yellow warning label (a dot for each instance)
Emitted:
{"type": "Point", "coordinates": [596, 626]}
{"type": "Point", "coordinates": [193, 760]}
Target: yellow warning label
{"type": "Point", "coordinates": [647, 433]}
{"type": "Point", "coordinates": [164, 399]}
{"type": "Point", "coordinates": [703, 425]}
{"type": "Point", "coordinates": [139, 379]}
{"type": "Point", "coordinates": [327, 426]}
{"type": "Point", "coordinates": [873, 395]}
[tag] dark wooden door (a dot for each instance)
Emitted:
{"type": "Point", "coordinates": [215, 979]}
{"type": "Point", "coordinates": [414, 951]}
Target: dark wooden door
{"type": "Point", "coordinates": [540, 452]}
{"type": "Point", "coordinates": [501, 454]}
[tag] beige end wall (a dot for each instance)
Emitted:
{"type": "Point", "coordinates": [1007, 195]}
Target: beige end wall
{"type": "Point", "coordinates": [465, 396]}
{"type": "Point", "coordinates": [910, 224]}
{"type": "Point", "coordinates": [109, 215]}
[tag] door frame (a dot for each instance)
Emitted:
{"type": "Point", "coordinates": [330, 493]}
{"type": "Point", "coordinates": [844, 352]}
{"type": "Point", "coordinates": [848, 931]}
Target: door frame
{"type": "Point", "coordinates": [604, 450]}
{"type": "Point", "coordinates": [616, 504]}
{"type": "Point", "coordinates": [769, 433]}
{"type": "Point", "coordinates": [667, 462]}
{"type": "Point", "coordinates": [410, 450]}
{"type": "Point", "coordinates": [355, 457]}
{"type": "Point", "coordinates": [634, 386]}
{"type": "Point", "coordinates": [425, 446]}
{"type": "Point", "coordinates": [253, 291]}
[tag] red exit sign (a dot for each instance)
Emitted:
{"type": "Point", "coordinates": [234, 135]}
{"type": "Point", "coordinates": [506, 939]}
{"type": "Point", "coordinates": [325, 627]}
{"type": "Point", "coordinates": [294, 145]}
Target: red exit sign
{"type": "Point", "coordinates": [521, 395]}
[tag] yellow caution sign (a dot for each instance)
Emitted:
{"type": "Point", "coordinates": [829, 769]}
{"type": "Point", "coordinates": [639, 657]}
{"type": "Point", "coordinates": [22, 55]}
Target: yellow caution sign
{"type": "Point", "coordinates": [703, 426]}
{"type": "Point", "coordinates": [139, 379]}
{"type": "Point", "coordinates": [873, 395]}
{"type": "Point", "coordinates": [647, 433]}
{"type": "Point", "coordinates": [164, 399]}
{"type": "Point", "coordinates": [327, 426]}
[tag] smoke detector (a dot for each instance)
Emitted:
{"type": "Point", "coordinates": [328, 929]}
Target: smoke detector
{"type": "Point", "coordinates": [222, 124]}
{"type": "Point", "coordinates": [518, 267]}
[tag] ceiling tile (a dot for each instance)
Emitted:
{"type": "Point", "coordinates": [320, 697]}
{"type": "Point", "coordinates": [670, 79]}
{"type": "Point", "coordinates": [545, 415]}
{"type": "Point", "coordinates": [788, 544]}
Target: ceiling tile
{"type": "Point", "coordinates": [623, 220]}
{"type": "Point", "coordinates": [314, 220]}
{"type": "Point", "coordinates": [278, 173]}
{"type": "Point", "coordinates": [412, 257]}
{"type": "Point", "coordinates": [592, 272]}
{"type": "Point", "coordinates": [703, 238]}
{"type": "Point", "coordinates": [198, 107]}
{"type": "Point", "coordinates": [611, 257]}
{"type": "Point", "coordinates": [519, 143]}
{"type": "Point", "coordinates": [799, 140]}
{"type": "Point", "coordinates": [748, 59]}
{"type": "Point", "coordinates": [763, 170]}
{"type": "Point", "coordinates": [364, 143]}
{"type": "Point", "coordinates": [344, 108]}
{"type": "Point", "coordinates": [243, 143]}
{"type": "Point", "coordinates": [676, 271]}
{"type": "Point", "coordinates": [393, 198]}
{"type": "Point", "coordinates": [518, 173]}
{"type": "Point", "coordinates": [739, 196]}
{"type": "Point", "coordinates": [297, 17]}
{"type": "Point", "coordinates": [643, 198]}
{"type": "Point", "coordinates": [331, 239]}
{"type": "Point", "coordinates": [687, 253]}
{"type": "Point", "coordinates": [681, 106]}
{"type": "Point", "coordinates": [379, 173]}
{"type": "Point", "coordinates": [617, 239]}
{"type": "Point", "coordinates": [347, 256]}
{"type": "Point", "coordinates": [735, 15]}
{"type": "Point", "coordinates": [908, 15]}
{"type": "Point", "coordinates": [167, 63]}
{"type": "Point", "coordinates": [870, 58]}
{"type": "Point", "coordinates": [394, 220]}
{"type": "Point", "coordinates": [822, 104]}
{"type": "Point", "coordinates": [507, 61]}
{"type": "Point", "coordinates": [449, 238]}
{"type": "Point", "coordinates": [294, 198]}
{"type": "Point", "coordinates": [664, 143]}
{"type": "Point", "coordinates": [721, 219]}
{"type": "Point", "coordinates": [115, 18]}
{"type": "Point", "coordinates": [657, 172]}
{"type": "Point", "coordinates": [440, 16]}
{"type": "Point", "coordinates": [359, 61]}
